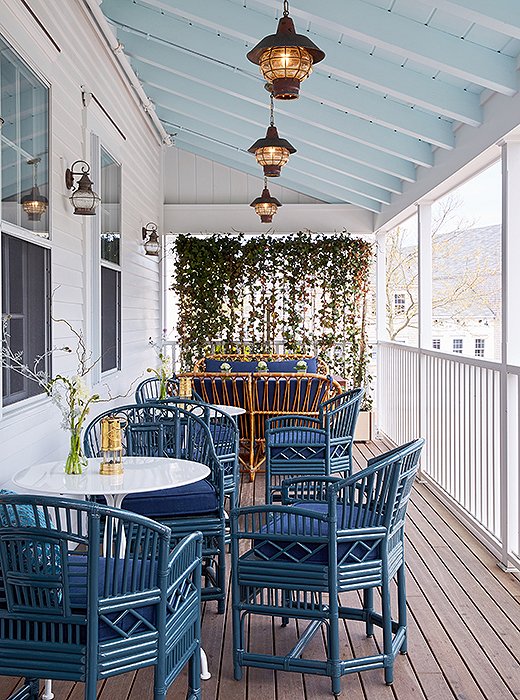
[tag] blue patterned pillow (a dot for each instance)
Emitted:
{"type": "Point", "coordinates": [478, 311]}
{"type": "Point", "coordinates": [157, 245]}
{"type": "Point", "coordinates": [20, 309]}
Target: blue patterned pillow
{"type": "Point", "coordinates": [25, 513]}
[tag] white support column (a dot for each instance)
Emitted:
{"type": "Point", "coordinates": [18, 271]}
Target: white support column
{"type": "Point", "coordinates": [425, 295]}
{"type": "Point", "coordinates": [381, 325]}
{"type": "Point", "coordinates": [424, 238]}
{"type": "Point", "coordinates": [509, 457]}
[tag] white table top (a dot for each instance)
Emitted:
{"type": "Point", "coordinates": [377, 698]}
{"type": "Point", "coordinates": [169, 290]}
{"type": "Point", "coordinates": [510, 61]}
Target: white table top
{"type": "Point", "coordinates": [141, 474]}
{"type": "Point", "coordinates": [230, 410]}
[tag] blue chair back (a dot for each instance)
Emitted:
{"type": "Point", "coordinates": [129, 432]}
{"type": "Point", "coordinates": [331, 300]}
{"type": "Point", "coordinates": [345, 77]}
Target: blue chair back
{"type": "Point", "coordinates": [149, 389]}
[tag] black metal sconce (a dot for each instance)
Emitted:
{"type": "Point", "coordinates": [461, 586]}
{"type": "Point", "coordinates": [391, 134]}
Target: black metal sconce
{"type": "Point", "coordinates": [83, 199]}
{"type": "Point", "coordinates": [151, 242]}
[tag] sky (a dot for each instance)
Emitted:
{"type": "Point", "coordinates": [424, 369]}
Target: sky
{"type": "Point", "coordinates": [476, 203]}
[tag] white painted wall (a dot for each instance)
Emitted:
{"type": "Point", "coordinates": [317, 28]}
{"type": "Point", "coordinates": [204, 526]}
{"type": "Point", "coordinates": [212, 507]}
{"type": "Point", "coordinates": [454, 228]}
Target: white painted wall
{"type": "Point", "coordinates": [29, 433]}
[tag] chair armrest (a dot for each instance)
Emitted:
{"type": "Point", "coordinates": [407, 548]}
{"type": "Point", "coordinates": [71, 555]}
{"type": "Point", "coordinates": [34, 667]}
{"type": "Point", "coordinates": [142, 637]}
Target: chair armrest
{"type": "Point", "coordinates": [292, 421]}
{"type": "Point", "coordinates": [305, 488]}
{"type": "Point", "coordinates": [185, 562]}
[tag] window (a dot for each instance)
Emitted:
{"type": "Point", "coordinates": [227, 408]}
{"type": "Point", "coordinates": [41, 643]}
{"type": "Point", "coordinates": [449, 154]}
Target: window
{"type": "Point", "coordinates": [26, 304]}
{"type": "Point", "coordinates": [480, 344]}
{"type": "Point", "coordinates": [436, 343]}
{"type": "Point", "coordinates": [457, 345]}
{"type": "Point", "coordinates": [24, 139]}
{"type": "Point", "coordinates": [110, 262]}
{"type": "Point", "coordinates": [399, 304]}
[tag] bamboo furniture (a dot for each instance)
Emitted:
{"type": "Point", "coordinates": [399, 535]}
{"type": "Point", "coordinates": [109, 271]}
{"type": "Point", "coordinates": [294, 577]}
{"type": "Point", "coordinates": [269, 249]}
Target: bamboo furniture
{"type": "Point", "coordinates": [304, 446]}
{"type": "Point", "coordinates": [255, 358]}
{"type": "Point", "coordinates": [263, 395]}
{"type": "Point", "coordinates": [69, 613]}
{"type": "Point", "coordinates": [329, 536]}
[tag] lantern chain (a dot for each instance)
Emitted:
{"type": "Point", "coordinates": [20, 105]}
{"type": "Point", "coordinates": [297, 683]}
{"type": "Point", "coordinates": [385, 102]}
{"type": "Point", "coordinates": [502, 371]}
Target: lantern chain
{"type": "Point", "coordinates": [285, 8]}
{"type": "Point", "coordinates": [272, 110]}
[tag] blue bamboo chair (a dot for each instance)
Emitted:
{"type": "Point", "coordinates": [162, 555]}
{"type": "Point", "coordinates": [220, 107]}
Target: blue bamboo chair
{"type": "Point", "coordinates": [149, 389]}
{"type": "Point", "coordinates": [307, 446]}
{"type": "Point", "coordinates": [162, 430]}
{"type": "Point", "coordinates": [225, 435]}
{"type": "Point", "coordinates": [69, 613]}
{"type": "Point", "coordinates": [328, 537]}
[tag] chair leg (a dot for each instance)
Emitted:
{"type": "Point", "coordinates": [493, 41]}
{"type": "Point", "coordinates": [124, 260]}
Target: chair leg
{"type": "Point", "coordinates": [238, 642]}
{"type": "Point", "coordinates": [221, 573]}
{"type": "Point", "coordinates": [159, 687]}
{"type": "Point", "coordinates": [194, 672]}
{"type": "Point", "coordinates": [333, 648]}
{"type": "Point", "coordinates": [401, 606]}
{"type": "Point", "coordinates": [387, 631]}
{"type": "Point", "coordinates": [368, 606]}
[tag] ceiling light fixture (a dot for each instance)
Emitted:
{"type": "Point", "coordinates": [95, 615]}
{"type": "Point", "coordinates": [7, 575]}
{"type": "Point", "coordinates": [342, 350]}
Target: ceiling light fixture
{"type": "Point", "coordinates": [286, 58]}
{"type": "Point", "coordinates": [266, 206]}
{"type": "Point", "coordinates": [34, 204]}
{"type": "Point", "coordinates": [272, 152]}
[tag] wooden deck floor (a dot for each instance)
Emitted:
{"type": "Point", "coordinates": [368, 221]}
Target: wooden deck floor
{"type": "Point", "coordinates": [464, 628]}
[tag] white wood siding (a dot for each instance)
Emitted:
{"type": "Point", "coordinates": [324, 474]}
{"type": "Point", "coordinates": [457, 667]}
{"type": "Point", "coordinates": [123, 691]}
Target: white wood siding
{"type": "Point", "coordinates": [30, 433]}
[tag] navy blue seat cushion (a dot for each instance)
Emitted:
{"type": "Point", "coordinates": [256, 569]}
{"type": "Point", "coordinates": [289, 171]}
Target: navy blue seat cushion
{"type": "Point", "coordinates": [273, 365]}
{"type": "Point", "coordinates": [354, 552]}
{"type": "Point", "coordinates": [77, 568]}
{"type": "Point", "coordinates": [199, 498]}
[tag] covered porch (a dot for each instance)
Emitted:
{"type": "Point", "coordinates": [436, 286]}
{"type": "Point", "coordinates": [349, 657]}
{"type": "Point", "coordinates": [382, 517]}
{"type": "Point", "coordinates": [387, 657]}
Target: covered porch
{"type": "Point", "coordinates": [158, 101]}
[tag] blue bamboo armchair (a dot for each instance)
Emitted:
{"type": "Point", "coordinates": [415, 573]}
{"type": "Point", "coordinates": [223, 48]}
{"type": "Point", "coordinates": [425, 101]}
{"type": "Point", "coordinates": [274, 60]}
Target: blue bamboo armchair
{"type": "Point", "coordinates": [225, 434]}
{"type": "Point", "coordinates": [307, 446]}
{"type": "Point", "coordinates": [328, 537]}
{"type": "Point", "coordinates": [162, 430]}
{"type": "Point", "coordinates": [149, 389]}
{"type": "Point", "coordinates": [69, 613]}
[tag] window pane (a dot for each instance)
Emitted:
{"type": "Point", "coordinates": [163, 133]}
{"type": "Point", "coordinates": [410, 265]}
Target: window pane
{"type": "Point", "coordinates": [110, 208]}
{"type": "Point", "coordinates": [110, 319]}
{"type": "Point", "coordinates": [25, 301]}
{"type": "Point", "coordinates": [24, 139]}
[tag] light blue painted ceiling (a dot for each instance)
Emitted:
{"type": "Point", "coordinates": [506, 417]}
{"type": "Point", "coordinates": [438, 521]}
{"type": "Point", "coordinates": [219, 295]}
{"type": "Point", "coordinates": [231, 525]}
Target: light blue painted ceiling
{"type": "Point", "coordinates": [400, 81]}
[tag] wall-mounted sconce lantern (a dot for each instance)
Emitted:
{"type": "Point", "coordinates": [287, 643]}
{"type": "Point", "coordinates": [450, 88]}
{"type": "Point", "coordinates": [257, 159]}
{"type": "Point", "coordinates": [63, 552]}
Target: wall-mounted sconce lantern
{"type": "Point", "coordinates": [265, 206]}
{"type": "Point", "coordinates": [286, 58]}
{"type": "Point", "coordinates": [34, 204]}
{"type": "Point", "coordinates": [83, 199]}
{"type": "Point", "coordinates": [151, 242]}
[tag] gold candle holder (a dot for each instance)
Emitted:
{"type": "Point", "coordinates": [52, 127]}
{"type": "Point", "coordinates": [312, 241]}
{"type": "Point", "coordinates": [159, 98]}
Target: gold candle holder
{"type": "Point", "coordinates": [185, 388]}
{"type": "Point", "coordinates": [111, 445]}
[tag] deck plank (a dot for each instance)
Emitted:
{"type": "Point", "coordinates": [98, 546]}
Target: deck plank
{"type": "Point", "coordinates": [464, 627]}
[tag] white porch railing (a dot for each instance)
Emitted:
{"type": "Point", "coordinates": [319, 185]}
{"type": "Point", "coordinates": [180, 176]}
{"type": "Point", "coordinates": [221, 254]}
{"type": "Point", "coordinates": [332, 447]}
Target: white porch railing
{"type": "Point", "coordinates": [467, 409]}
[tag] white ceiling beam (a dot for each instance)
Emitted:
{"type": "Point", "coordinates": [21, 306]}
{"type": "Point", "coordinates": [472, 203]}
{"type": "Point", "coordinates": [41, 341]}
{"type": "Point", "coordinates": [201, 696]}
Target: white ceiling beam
{"type": "Point", "coordinates": [501, 16]}
{"type": "Point", "coordinates": [250, 98]}
{"type": "Point", "coordinates": [242, 135]}
{"type": "Point", "coordinates": [408, 38]}
{"type": "Point", "coordinates": [226, 154]}
{"type": "Point", "coordinates": [342, 61]}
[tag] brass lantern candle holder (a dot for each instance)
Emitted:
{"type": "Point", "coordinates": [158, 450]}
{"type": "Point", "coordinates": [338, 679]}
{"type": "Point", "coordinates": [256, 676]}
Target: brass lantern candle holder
{"type": "Point", "coordinates": [185, 388]}
{"type": "Point", "coordinates": [111, 445]}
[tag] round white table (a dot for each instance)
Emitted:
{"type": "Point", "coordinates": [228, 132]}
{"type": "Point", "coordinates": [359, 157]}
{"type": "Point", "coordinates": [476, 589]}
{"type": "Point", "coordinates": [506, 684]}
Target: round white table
{"type": "Point", "coordinates": [141, 474]}
{"type": "Point", "coordinates": [230, 410]}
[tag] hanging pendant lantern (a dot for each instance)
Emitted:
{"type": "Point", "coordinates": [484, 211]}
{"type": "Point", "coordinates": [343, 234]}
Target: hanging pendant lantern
{"type": "Point", "coordinates": [266, 206]}
{"type": "Point", "coordinates": [34, 204]}
{"type": "Point", "coordinates": [286, 58]}
{"type": "Point", "coordinates": [272, 152]}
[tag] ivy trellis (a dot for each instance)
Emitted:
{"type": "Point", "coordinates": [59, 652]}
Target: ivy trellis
{"type": "Point", "coordinates": [309, 290]}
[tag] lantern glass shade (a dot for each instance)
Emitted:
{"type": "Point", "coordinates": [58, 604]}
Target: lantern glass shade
{"type": "Point", "coordinates": [84, 199]}
{"type": "Point", "coordinates": [34, 204]}
{"type": "Point", "coordinates": [272, 155]}
{"type": "Point", "coordinates": [266, 211]}
{"type": "Point", "coordinates": [152, 245]}
{"type": "Point", "coordinates": [282, 62]}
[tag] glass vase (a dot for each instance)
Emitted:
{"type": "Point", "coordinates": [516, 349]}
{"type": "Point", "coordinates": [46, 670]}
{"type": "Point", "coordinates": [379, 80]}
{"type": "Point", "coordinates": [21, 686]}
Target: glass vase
{"type": "Point", "coordinates": [76, 460]}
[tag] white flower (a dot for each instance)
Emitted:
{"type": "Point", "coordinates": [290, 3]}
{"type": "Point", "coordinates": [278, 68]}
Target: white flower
{"type": "Point", "coordinates": [301, 365]}
{"type": "Point", "coordinates": [225, 367]}
{"type": "Point", "coordinates": [262, 366]}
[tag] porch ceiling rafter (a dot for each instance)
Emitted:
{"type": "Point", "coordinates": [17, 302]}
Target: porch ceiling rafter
{"type": "Point", "coordinates": [410, 39]}
{"type": "Point", "coordinates": [342, 61]}
{"type": "Point", "coordinates": [328, 160]}
{"type": "Point", "coordinates": [378, 164]}
{"type": "Point", "coordinates": [498, 15]}
{"type": "Point", "coordinates": [165, 54]}
{"type": "Point", "coordinates": [239, 159]}
{"type": "Point", "coordinates": [236, 134]}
